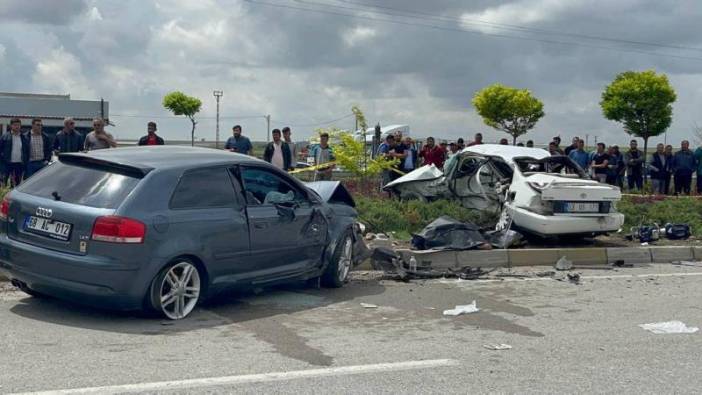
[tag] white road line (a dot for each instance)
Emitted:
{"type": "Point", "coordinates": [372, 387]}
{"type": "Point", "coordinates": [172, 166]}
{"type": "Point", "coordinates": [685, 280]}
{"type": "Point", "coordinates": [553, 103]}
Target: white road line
{"type": "Point", "coordinates": [613, 276]}
{"type": "Point", "coordinates": [255, 378]}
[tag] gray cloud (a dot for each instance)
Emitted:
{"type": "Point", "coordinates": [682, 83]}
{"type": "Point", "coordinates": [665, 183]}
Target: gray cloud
{"type": "Point", "coordinates": [41, 12]}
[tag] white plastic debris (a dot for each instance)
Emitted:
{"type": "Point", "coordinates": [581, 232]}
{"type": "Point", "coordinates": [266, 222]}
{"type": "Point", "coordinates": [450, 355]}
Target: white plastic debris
{"type": "Point", "coordinates": [369, 306]}
{"type": "Point", "coordinates": [462, 309]}
{"type": "Point", "coordinates": [497, 347]}
{"type": "Point", "coordinates": [662, 328]}
{"type": "Point", "coordinates": [564, 264]}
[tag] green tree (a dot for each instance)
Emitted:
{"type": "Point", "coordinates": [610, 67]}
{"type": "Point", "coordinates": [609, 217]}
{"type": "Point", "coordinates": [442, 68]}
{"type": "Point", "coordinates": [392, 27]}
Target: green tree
{"type": "Point", "coordinates": [181, 104]}
{"type": "Point", "coordinates": [511, 110]}
{"type": "Point", "coordinates": [642, 102]}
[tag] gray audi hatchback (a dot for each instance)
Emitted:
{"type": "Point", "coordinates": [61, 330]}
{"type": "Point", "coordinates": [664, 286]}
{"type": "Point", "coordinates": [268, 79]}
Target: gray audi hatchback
{"type": "Point", "coordinates": [162, 228]}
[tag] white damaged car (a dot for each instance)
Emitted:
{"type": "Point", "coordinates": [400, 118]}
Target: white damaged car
{"type": "Point", "coordinates": [532, 191]}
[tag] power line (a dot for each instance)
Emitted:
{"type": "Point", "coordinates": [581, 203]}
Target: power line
{"type": "Point", "coordinates": [145, 116]}
{"type": "Point", "coordinates": [278, 5]}
{"type": "Point", "coordinates": [503, 25]}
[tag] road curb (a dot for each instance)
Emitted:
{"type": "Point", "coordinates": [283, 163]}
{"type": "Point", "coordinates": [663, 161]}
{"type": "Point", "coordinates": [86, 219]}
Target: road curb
{"type": "Point", "coordinates": [442, 259]}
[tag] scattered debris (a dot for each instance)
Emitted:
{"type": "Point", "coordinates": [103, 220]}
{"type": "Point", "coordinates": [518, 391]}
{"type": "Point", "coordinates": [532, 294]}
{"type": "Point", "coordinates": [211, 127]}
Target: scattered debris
{"type": "Point", "coordinates": [469, 273]}
{"type": "Point", "coordinates": [677, 231]}
{"type": "Point", "coordinates": [592, 267]}
{"type": "Point", "coordinates": [574, 278]}
{"type": "Point", "coordinates": [669, 327]}
{"type": "Point", "coordinates": [497, 347]}
{"type": "Point", "coordinates": [564, 264]}
{"type": "Point", "coordinates": [645, 233]}
{"type": "Point", "coordinates": [505, 238]}
{"type": "Point", "coordinates": [462, 309]}
{"type": "Point", "coordinates": [621, 263]}
{"type": "Point", "coordinates": [687, 263]}
{"type": "Point", "coordinates": [446, 233]}
{"type": "Point", "coordinates": [370, 236]}
{"type": "Point", "coordinates": [369, 306]}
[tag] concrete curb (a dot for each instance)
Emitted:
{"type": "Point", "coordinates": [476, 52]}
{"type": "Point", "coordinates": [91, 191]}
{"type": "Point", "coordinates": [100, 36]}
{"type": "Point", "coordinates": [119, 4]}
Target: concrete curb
{"type": "Point", "coordinates": [442, 259]}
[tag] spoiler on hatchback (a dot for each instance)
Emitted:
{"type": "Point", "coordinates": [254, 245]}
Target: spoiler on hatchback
{"type": "Point", "coordinates": [130, 170]}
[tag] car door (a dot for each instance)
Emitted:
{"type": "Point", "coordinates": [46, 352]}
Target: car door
{"type": "Point", "coordinates": [208, 218]}
{"type": "Point", "coordinates": [288, 232]}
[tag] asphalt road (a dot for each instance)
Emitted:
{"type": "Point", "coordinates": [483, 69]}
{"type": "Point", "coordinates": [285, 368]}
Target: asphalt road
{"type": "Point", "coordinates": [565, 338]}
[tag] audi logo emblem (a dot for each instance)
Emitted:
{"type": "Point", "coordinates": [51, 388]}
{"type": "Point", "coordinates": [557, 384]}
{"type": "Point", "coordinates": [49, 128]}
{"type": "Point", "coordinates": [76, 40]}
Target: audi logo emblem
{"type": "Point", "coordinates": [44, 212]}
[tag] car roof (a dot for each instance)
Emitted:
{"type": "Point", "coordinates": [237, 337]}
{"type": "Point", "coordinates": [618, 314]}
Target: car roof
{"type": "Point", "coordinates": [147, 158]}
{"type": "Point", "coordinates": [507, 152]}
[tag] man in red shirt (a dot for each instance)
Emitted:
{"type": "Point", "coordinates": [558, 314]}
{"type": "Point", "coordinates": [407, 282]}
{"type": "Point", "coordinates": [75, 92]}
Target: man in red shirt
{"type": "Point", "coordinates": [151, 138]}
{"type": "Point", "coordinates": [478, 140]}
{"type": "Point", "coordinates": [433, 154]}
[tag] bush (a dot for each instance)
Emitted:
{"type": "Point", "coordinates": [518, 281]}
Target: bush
{"type": "Point", "coordinates": [405, 218]}
{"type": "Point", "coordinates": [646, 210]}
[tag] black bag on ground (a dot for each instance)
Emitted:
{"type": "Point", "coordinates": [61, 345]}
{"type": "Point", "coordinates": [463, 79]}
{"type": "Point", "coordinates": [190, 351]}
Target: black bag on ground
{"type": "Point", "coordinates": [677, 231]}
{"type": "Point", "coordinates": [446, 233]}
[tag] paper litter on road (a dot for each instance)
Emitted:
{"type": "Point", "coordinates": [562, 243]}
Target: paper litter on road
{"type": "Point", "coordinates": [564, 264]}
{"type": "Point", "coordinates": [661, 328]}
{"type": "Point", "coordinates": [369, 306]}
{"type": "Point", "coordinates": [462, 309]}
{"type": "Point", "coordinates": [497, 347]}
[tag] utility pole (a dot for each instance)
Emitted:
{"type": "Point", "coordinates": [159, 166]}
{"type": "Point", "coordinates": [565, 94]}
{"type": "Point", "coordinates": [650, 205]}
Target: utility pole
{"type": "Point", "coordinates": [587, 137]}
{"type": "Point", "coordinates": [217, 95]}
{"type": "Point", "coordinates": [268, 127]}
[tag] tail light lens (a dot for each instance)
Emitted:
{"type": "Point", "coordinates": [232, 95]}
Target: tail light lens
{"type": "Point", "coordinates": [5, 208]}
{"type": "Point", "coordinates": [114, 229]}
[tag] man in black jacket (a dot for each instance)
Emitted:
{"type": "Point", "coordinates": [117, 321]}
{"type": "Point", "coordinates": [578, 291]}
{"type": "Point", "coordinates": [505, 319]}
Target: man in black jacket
{"type": "Point", "coordinates": [69, 139]}
{"type": "Point", "coordinates": [14, 150]}
{"type": "Point", "coordinates": [39, 148]}
{"type": "Point", "coordinates": [277, 152]}
{"type": "Point", "coordinates": [151, 138]}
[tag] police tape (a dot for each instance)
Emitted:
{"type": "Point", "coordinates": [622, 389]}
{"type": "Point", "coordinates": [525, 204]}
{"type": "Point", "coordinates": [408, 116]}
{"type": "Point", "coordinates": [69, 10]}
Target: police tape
{"type": "Point", "coordinates": [331, 164]}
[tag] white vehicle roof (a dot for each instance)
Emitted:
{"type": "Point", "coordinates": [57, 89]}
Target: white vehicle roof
{"type": "Point", "coordinates": [507, 152]}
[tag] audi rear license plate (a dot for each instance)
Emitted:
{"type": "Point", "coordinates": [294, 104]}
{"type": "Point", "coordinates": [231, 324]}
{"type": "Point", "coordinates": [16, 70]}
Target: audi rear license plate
{"type": "Point", "coordinates": [582, 207]}
{"type": "Point", "coordinates": [47, 227]}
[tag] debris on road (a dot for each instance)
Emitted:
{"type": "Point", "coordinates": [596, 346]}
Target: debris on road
{"type": "Point", "coordinates": [369, 306]}
{"type": "Point", "coordinates": [564, 264]}
{"type": "Point", "coordinates": [574, 278]}
{"type": "Point", "coordinates": [592, 267]}
{"type": "Point", "coordinates": [687, 263]}
{"type": "Point", "coordinates": [621, 263]}
{"type": "Point", "coordinates": [446, 233]}
{"type": "Point", "coordinates": [669, 327]}
{"type": "Point", "coordinates": [497, 347]}
{"type": "Point", "coordinates": [462, 309]}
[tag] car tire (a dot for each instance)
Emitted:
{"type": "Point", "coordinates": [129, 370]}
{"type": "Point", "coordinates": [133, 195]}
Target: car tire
{"type": "Point", "coordinates": [337, 272]}
{"type": "Point", "coordinates": [176, 290]}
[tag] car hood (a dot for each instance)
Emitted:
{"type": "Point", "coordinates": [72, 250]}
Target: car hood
{"type": "Point", "coordinates": [332, 192]}
{"type": "Point", "coordinates": [424, 173]}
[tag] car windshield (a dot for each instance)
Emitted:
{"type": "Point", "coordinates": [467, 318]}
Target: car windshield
{"type": "Point", "coordinates": [559, 165]}
{"type": "Point", "coordinates": [80, 185]}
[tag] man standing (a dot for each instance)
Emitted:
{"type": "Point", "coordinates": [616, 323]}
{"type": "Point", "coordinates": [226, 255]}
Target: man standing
{"type": "Point", "coordinates": [68, 139]}
{"type": "Point", "coordinates": [580, 156]}
{"type": "Point", "coordinates": [99, 138]}
{"type": "Point", "coordinates": [14, 150]}
{"type": "Point", "coordinates": [291, 146]}
{"type": "Point", "coordinates": [557, 141]}
{"type": "Point", "coordinates": [621, 166]}
{"type": "Point", "coordinates": [599, 164]}
{"type": "Point", "coordinates": [504, 142]}
{"type": "Point", "coordinates": [453, 150]}
{"type": "Point", "coordinates": [572, 146]}
{"type": "Point", "coordinates": [634, 166]}
{"type": "Point", "coordinates": [431, 154]}
{"type": "Point", "coordinates": [151, 138]}
{"type": "Point", "coordinates": [409, 163]}
{"type": "Point", "coordinates": [659, 168]}
{"type": "Point", "coordinates": [698, 158]}
{"type": "Point", "coordinates": [323, 154]}
{"type": "Point", "coordinates": [612, 166]}
{"type": "Point", "coordinates": [530, 144]}
{"type": "Point", "coordinates": [684, 165]}
{"type": "Point", "coordinates": [478, 140]}
{"type": "Point", "coordinates": [460, 143]}
{"type": "Point", "coordinates": [277, 152]}
{"type": "Point", "coordinates": [553, 149]}
{"type": "Point", "coordinates": [39, 149]}
{"type": "Point", "coordinates": [389, 152]}
{"type": "Point", "coordinates": [238, 143]}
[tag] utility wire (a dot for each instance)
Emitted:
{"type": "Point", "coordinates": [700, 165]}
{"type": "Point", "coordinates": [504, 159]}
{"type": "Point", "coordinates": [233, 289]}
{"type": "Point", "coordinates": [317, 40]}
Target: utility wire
{"type": "Point", "coordinates": [234, 117]}
{"type": "Point", "coordinates": [504, 26]}
{"type": "Point", "coordinates": [630, 50]}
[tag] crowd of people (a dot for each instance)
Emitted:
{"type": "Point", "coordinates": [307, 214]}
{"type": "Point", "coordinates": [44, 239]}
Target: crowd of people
{"type": "Point", "coordinates": [23, 154]}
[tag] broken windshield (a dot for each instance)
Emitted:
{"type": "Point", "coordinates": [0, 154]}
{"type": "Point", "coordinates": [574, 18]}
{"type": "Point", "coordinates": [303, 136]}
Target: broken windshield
{"type": "Point", "coordinates": [558, 165]}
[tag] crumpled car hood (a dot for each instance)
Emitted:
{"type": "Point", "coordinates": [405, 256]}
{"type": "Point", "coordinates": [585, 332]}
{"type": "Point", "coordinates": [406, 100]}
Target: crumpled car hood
{"type": "Point", "coordinates": [424, 173]}
{"type": "Point", "coordinates": [332, 192]}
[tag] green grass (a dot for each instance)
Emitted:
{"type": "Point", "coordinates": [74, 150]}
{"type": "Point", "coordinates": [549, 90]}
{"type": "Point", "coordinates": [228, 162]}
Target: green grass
{"type": "Point", "coordinates": [647, 210]}
{"type": "Point", "coordinates": [404, 218]}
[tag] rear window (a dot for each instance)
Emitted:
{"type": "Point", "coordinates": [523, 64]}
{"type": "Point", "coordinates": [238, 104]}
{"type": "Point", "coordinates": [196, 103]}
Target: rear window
{"type": "Point", "coordinates": [80, 185]}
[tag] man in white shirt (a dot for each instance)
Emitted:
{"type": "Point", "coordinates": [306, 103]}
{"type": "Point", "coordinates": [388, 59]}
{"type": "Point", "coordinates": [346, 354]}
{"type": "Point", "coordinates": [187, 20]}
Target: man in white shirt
{"type": "Point", "coordinates": [277, 152]}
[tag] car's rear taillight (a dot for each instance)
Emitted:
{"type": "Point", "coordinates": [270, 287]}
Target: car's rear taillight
{"type": "Point", "coordinates": [114, 229]}
{"type": "Point", "coordinates": [5, 208]}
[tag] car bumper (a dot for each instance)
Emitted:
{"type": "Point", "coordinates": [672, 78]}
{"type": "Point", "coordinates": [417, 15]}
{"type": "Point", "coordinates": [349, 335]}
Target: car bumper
{"type": "Point", "coordinates": [553, 225]}
{"type": "Point", "coordinates": [81, 279]}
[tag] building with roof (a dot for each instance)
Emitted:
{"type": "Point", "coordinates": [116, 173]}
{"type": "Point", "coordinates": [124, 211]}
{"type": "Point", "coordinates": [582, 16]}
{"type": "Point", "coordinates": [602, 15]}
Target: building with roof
{"type": "Point", "coordinates": [51, 109]}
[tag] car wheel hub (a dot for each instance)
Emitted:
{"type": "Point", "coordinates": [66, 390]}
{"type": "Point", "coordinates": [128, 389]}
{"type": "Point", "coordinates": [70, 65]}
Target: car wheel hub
{"type": "Point", "coordinates": [345, 259]}
{"type": "Point", "coordinates": [180, 290]}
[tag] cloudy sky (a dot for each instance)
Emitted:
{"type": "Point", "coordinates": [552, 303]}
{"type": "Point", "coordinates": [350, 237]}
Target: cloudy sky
{"type": "Point", "coordinates": [306, 62]}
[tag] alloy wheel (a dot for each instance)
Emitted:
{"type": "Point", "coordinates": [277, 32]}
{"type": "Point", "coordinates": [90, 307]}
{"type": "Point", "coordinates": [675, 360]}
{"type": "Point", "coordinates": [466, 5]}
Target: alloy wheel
{"type": "Point", "coordinates": [345, 259]}
{"type": "Point", "coordinates": [180, 290]}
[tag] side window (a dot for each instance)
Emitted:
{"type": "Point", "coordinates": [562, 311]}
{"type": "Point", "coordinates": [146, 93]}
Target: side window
{"type": "Point", "coordinates": [204, 188]}
{"type": "Point", "coordinates": [263, 187]}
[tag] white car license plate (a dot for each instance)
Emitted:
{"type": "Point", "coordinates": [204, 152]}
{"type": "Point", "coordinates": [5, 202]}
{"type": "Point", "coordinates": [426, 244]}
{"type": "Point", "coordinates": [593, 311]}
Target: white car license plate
{"type": "Point", "coordinates": [54, 229]}
{"type": "Point", "coordinates": [576, 207]}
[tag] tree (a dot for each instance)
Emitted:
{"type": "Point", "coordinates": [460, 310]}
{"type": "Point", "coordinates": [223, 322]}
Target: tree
{"type": "Point", "coordinates": [642, 102]}
{"type": "Point", "coordinates": [181, 104]}
{"type": "Point", "coordinates": [511, 110]}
